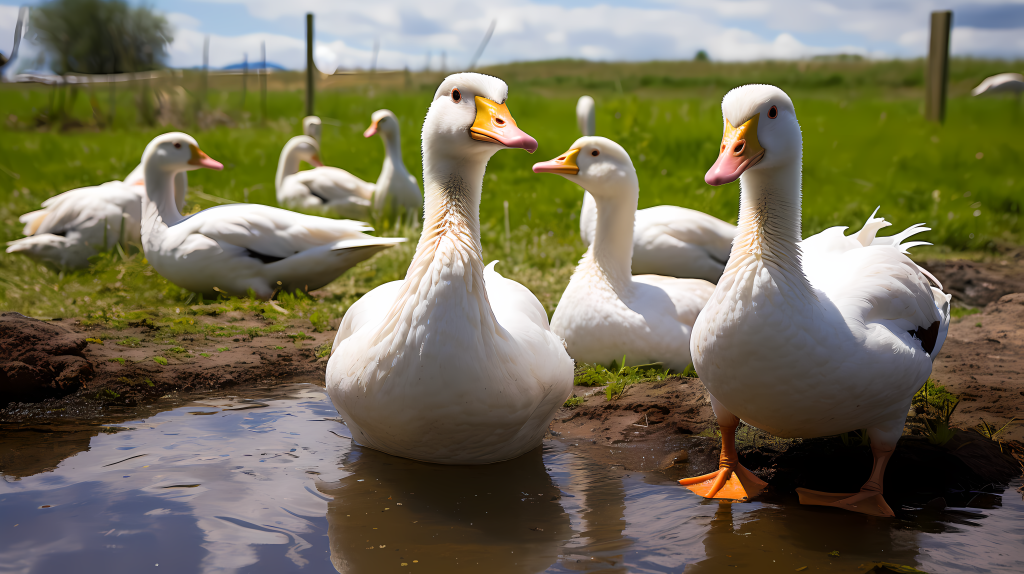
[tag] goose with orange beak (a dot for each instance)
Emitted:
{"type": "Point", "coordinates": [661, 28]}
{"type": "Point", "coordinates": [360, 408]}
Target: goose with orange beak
{"type": "Point", "coordinates": [807, 337]}
{"type": "Point", "coordinates": [606, 312]}
{"type": "Point", "coordinates": [240, 247]}
{"type": "Point", "coordinates": [668, 240]}
{"type": "Point", "coordinates": [337, 191]}
{"type": "Point", "coordinates": [454, 364]}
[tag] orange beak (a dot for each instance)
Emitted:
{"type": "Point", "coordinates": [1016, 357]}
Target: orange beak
{"type": "Point", "coordinates": [494, 124]}
{"type": "Point", "coordinates": [202, 160]}
{"type": "Point", "coordinates": [372, 130]}
{"type": "Point", "coordinates": [315, 160]}
{"type": "Point", "coordinates": [563, 164]}
{"type": "Point", "coordinates": [739, 152]}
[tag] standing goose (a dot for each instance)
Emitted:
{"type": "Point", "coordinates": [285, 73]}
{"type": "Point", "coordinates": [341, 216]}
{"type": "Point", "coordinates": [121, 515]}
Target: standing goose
{"type": "Point", "coordinates": [606, 312]}
{"type": "Point", "coordinates": [240, 247]}
{"type": "Point", "coordinates": [312, 126]}
{"type": "Point", "coordinates": [396, 189]}
{"type": "Point", "coordinates": [75, 225]}
{"type": "Point", "coordinates": [454, 364]}
{"type": "Point", "coordinates": [807, 338]}
{"type": "Point", "coordinates": [667, 239]}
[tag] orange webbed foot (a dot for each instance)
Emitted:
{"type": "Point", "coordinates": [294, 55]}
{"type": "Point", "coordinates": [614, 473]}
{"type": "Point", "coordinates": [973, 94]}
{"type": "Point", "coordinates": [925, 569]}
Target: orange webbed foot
{"type": "Point", "coordinates": [726, 484]}
{"type": "Point", "coordinates": [865, 502]}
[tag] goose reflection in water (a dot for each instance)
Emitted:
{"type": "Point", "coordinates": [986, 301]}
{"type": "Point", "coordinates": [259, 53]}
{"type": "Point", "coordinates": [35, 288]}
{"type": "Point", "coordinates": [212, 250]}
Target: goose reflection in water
{"type": "Point", "coordinates": [502, 517]}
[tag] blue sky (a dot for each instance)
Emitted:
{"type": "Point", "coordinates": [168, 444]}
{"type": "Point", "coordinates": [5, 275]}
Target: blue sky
{"type": "Point", "coordinates": [611, 30]}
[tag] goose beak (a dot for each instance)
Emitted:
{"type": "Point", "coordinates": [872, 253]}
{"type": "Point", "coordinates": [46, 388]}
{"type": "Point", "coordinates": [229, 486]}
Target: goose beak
{"type": "Point", "coordinates": [315, 160]}
{"type": "Point", "coordinates": [202, 160]}
{"type": "Point", "coordinates": [739, 152]}
{"type": "Point", "coordinates": [564, 164]}
{"type": "Point", "coordinates": [494, 124]}
{"type": "Point", "coordinates": [372, 130]}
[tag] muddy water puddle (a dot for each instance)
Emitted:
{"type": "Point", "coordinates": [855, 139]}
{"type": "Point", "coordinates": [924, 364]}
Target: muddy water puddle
{"type": "Point", "coordinates": [272, 483]}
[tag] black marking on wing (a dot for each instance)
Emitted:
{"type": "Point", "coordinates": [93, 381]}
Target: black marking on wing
{"type": "Point", "coordinates": [927, 336]}
{"type": "Point", "coordinates": [318, 196]}
{"type": "Point", "coordinates": [262, 256]}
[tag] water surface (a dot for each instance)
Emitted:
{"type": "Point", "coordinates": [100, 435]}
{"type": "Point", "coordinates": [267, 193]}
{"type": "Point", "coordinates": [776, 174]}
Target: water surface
{"type": "Point", "coordinates": [273, 483]}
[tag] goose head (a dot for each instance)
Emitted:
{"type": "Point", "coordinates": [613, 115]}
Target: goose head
{"type": "Point", "coordinates": [385, 123]}
{"type": "Point", "coordinates": [303, 148]}
{"type": "Point", "coordinates": [175, 152]}
{"type": "Point", "coordinates": [311, 126]}
{"type": "Point", "coordinates": [598, 164]}
{"type": "Point", "coordinates": [761, 133]}
{"type": "Point", "coordinates": [468, 117]}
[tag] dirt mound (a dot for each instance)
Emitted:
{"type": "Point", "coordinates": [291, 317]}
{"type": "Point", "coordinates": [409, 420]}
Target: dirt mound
{"type": "Point", "coordinates": [978, 283]}
{"type": "Point", "coordinates": [39, 360]}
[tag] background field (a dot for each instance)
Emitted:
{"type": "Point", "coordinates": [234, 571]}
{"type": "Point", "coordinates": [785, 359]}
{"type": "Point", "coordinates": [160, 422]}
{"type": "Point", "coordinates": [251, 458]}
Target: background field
{"type": "Point", "coordinates": [866, 145]}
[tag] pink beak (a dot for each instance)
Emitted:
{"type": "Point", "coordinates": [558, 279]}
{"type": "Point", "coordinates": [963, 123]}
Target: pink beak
{"type": "Point", "coordinates": [315, 160]}
{"type": "Point", "coordinates": [729, 168]}
{"type": "Point", "coordinates": [370, 131]}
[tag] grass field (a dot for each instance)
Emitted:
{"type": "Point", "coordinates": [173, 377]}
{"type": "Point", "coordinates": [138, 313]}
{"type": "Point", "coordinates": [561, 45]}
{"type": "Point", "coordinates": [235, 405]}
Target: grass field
{"type": "Point", "coordinates": [866, 145]}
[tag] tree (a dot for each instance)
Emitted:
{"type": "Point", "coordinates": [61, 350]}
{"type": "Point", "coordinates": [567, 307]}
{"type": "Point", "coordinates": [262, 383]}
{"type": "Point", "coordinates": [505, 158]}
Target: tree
{"type": "Point", "coordinates": [701, 56]}
{"type": "Point", "coordinates": [102, 36]}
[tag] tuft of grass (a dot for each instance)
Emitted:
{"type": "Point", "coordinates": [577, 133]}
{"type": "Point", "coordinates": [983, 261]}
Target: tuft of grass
{"type": "Point", "coordinates": [93, 340]}
{"type": "Point", "coordinates": [278, 347]}
{"type": "Point", "coordinates": [130, 342]}
{"type": "Point", "coordinates": [177, 350]}
{"type": "Point", "coordinates": [932, 397]}
{"type": "Point", "coordinates": [321, 321]}
{"type": "Point", "coordinates": [990, 432]}
{"type": "Point", "coordinates": [573, 401]}
{"type": "Point", "coordinates": [961, 312]}
{"type": "Point", "coordinates": [117, 360]}
{"type": "Point", "coordinates": [860, 438]}
{"type": "Point", "coordinates": [690, 372]}
{"type": "Point", "coordinates": [300, 336]}
{"type": "Point", "coordinates": [323, 350]}
{"type": "Point", "coordinates": [160, 361]}
{"type": "Point", "coordinates": [108, 394]}
{"type": "Point", "coordinates": [222, 349]}
{"type": "Point", "coordinates": [207, 355]}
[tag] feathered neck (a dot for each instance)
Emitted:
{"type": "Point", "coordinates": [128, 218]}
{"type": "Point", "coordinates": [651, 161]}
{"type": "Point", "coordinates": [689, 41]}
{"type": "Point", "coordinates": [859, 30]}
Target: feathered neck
{"type": "Point", "coordinates": [610, 256]}
{"type": "Point", "coordinates": [393, 166]}
{"type": "Point", "coordinates": [287, 164]}
{"type": "Point", "coordinates": [769, 229]}
{"type": "Point", "coordinates": [159, 208]}
{"type": "Point", "coordinates": [452, 188]}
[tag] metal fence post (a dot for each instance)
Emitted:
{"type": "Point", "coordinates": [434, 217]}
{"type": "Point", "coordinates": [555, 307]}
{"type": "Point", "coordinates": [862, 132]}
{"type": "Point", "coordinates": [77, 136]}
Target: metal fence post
{"type": "Point", "coordinates": [938, 67]}
{"type": "Point", "coordinates": [309, 63]}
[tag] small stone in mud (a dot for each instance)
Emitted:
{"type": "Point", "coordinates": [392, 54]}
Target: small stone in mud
{"type": "Point", "coordinates": [674, 458]}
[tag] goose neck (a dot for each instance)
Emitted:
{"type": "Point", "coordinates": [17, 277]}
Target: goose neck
{"type": "Point", "coordinates": [612, 250]}
{"type": "Point", "coordinates": [452, 188]}
{"type": "Point", "coordinates": [287, 165]}
{"type": "Point", "coordinates": [769, 228]}
{"type": "Point", "coordinates": [159, 204]}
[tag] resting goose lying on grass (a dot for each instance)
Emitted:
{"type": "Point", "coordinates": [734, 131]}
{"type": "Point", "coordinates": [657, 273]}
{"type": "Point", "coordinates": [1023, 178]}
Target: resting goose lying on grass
{"type": "Point", "coordinates": [240, 247]}
{"type": "Point", "coordinates": [605, 312]}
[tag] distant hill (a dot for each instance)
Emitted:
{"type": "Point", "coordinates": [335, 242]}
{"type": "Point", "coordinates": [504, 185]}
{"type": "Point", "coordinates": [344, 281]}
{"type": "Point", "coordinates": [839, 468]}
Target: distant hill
{"type": "Point", "coordinates": [255, 64]}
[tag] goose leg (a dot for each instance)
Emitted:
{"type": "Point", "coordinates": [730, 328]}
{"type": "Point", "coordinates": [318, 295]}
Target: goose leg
{"type": "Point", "coordinates": [732, 480]}
{"type": "Point", "coordinates": [869, 500]}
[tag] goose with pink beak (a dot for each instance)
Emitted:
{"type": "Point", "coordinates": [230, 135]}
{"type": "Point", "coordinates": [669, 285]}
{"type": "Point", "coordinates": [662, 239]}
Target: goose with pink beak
{"type": "Point", "coordinates": [807, 337]}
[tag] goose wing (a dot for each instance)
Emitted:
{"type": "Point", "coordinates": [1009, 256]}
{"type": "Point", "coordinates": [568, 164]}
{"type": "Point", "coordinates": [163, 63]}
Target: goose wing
{"type": "Point", "coordinates": [670, 223]}
{"type": "Point", "coordinates": [874, 284]}
{"type": "Point", "coordinates": [332, 184]}
{"type": "Point", "coordinates": [268, 231]}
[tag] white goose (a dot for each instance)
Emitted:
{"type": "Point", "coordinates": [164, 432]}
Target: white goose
{"type": "Point", "coordinates": [667, 239]}
{"type": "Point", "coordinates": [341, 192]}
{"type": "Point", "coordinates": [606, 312]}
{"type": "Point", "coordinates": [75, 225]}
{"type": "Point", "coordinates": [814, 337]}
{"type": "Point", "coordinates": [455, 364]}
{"type": "Point", "coordinates": [240, 247]}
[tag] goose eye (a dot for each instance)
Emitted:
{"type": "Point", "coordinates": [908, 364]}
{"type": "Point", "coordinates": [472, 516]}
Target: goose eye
{"type": "Point", "coordinates": [773, 113]}
{"type": "Point", "coordinates": [456, 95]}
{"type": "Point", "coordinates": [177, 145]}
{"type": "Point", "coordinates": [595, 153]}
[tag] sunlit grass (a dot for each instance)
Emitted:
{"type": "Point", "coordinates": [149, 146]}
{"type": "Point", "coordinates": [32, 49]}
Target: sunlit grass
{"type": "Point", "coordinates": [962, 179]}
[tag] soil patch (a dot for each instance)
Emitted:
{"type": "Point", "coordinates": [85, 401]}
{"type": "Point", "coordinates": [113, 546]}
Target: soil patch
{"type": "Point", "coordinates": [979, 283]}
{"type": "Point", "coordinates": [39, 360]}
{"type": "Point", "coordinates": [142, 362]}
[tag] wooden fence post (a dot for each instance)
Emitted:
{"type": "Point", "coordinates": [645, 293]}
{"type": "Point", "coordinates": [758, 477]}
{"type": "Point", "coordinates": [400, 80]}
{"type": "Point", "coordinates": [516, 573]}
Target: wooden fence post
{"type": "Point", "coordinates": [938, 67]}
{"type": "Point", "coordinates": [263, 82]}
{"type": "Point", "coordinates": [309, 63]}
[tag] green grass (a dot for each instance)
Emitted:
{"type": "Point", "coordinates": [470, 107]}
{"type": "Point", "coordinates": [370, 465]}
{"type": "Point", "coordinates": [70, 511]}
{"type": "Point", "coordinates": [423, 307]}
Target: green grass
{"type": "Point", "coordinates": [160, 361]}
{"type": "Point", "coordinates": [573, 402]}
{"type": "Point", "coordinates": [865, 140]}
